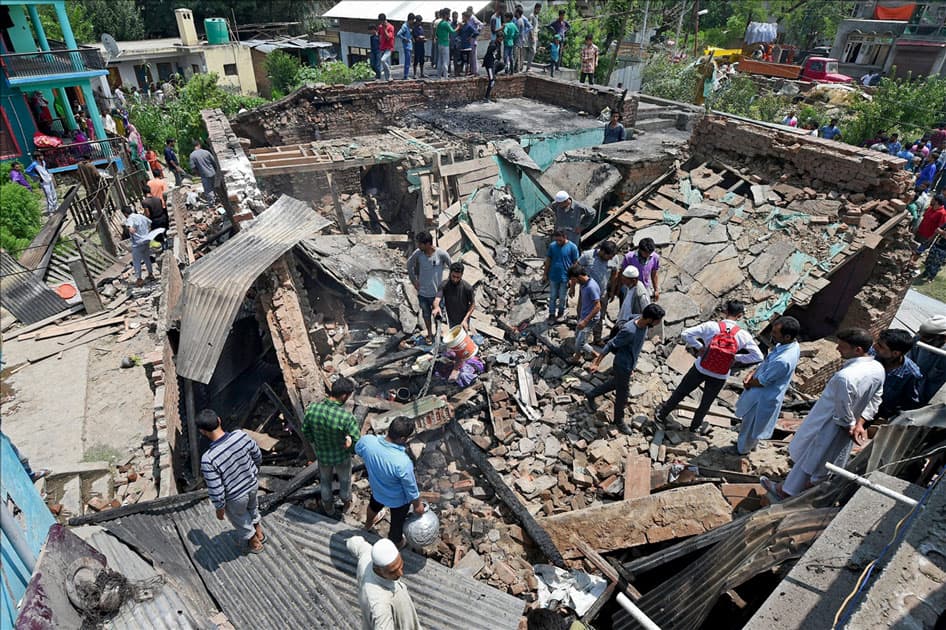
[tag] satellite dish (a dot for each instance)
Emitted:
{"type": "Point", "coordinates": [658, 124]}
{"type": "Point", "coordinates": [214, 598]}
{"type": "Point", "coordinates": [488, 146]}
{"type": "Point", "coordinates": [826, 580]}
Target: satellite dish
{"type": "Point", "coordinates": [111, 46]}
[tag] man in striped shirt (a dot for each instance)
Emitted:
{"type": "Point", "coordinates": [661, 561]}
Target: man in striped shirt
{"type": "Point", "coordinates": [333, 432]}
{"type": "Point", "coordinates": [230, 467]}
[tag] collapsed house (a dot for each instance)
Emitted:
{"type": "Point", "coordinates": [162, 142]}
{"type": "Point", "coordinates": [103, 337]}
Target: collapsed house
{"type": "Point", "coordinates": [302, 276]}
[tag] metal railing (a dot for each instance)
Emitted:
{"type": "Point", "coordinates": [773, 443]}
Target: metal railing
{"type": "Point", "coordinates": [69, 154]}
{"type": "Point", "coordinates": [932, 32]}
{"type": "Point", "coordinates": [46, 63]}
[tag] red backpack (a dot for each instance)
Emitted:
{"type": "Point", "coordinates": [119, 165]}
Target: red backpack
{"type": "Point", "coordinates": [722, 350]}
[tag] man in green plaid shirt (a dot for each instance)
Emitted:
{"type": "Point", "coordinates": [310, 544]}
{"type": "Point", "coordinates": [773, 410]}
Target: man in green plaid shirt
{"type": "Point", "coordinates": [333, 433]}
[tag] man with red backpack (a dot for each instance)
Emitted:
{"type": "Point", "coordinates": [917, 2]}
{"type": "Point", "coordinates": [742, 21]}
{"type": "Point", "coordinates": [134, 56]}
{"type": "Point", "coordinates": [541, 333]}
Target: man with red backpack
{"type": "Point", "coordinates": [717, 345]}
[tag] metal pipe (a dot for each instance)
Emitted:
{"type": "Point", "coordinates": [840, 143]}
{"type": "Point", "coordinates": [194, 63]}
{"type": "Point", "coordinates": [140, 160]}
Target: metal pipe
{"type": "Point", "coordinates": [933, 349]}
{"type": "Point", "coordinates": [867, 483]}
{"type": "Point", "coordinates": [636, 612]}
{"type": "Point", "coordinates": [12, 529]}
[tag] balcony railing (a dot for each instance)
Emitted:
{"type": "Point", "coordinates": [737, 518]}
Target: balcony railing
{"type": "Point", "coordinates": [68, 155]}
{"type": "Point", "coordinates": [931, 32]}
{"type": "Point", "coordinates": [43, 64]}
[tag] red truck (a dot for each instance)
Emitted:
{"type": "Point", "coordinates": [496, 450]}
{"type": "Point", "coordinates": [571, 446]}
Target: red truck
{"type": "Point", "coordinates": [815, 69]}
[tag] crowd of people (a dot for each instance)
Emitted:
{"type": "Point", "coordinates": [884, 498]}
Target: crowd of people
{"type": "Point", "coordinates": [452, 39]}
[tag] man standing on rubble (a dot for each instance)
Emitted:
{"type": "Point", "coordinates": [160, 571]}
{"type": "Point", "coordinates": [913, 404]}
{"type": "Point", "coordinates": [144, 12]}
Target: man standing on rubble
{"type": "Point", "coordinates": [457, 297]}
{"type": "Point", "coordinates": [636, 298]}
{"type": "Point", "coordinates": [559, 258]}
{"type": "Point", "coordinates": [230, 467]}
{"type": "Point", "coordinates": [333, 431]}
{"type": "Point", "coordinates": [836, 421]}
{"type": "Point", "coordinates": [383, 598]}
{"type": "Point", "coordinates": [626, 347]}
{"type": "Point", "coordinates": [425, 268]}
{"type": "Point", "coordinates": [391, 476]}
{"type": "Point", "coordinates": [386, 44]}
{"type": "Point", "coordinates": [765, 387]}
{"type": "Point", "coordinates": [647, 261]}
{"type": "Point", "coordinates": [571, 216]}
{"type": "Point", "coordinates": [203, 163]}
{"type": "Point", "coordinates": [903, 378]}
{"type": "Point", "coordinates": [589, 310]}
{"type": "Point", "coordinates": [602, 265]}
{"type": "Point", "coordinates": [717, 345]}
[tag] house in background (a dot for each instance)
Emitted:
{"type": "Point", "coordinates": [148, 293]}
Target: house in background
{"type": "Point", "coordinates": [893, 37]}
{"type": "Point", "coordinates": [308, 53]}
{"type": "Point", "coordinates": [66, 74]}
{"type": "Point", "coordinates": [140, 63]}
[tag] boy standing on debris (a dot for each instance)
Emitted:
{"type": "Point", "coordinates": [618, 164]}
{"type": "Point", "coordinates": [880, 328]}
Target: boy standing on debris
{"type": "Point", "coordinates": [836, 422]}
{"type": "Point", "coordinates": [230, 467]}
{"type": "Point", "coordinates": [589, 313]}
{"type": "Point", "coordinates": [425, 268]}
{"type": "Point", "coordinates": [761, 400]}
{"type": "Point", "coordinates": [626, 347]}
{"type": "Point", "coordinates": [391, 476]}
{"type": "Point", "coordinates": [333, 431]}
{"type": "Point", "coordinates": [718, 345]}
{"type": "Point", "coordinates": [559, 258]}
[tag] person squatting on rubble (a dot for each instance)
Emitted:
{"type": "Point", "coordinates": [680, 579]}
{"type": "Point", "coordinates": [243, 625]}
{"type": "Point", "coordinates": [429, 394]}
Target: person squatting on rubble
{"type": "Point", "coordinates": [626, 347]}
{"type": "Point", "coordinates": [456, 297]}
{"type": "Point", "coordinates": [230, 467]}
{"type": "Point", "coordinates": [425, 267]}
{"type": "Point", "coordinates": [601, 264]}
{"type": "Point", "coordinates": [759, 405]}
{"type": "Point", "coordinates": [717, 345]}
{"type": "Point", "coordinates": [559, 258]}
{"type": "Point", "coordinates": [391, 477]}
{"type": "Point", "coordinates": [383, 597]}
{"type": "Point", "coordinates": [837, 420]}
{"type": "Point", "coordinates": [333, 432]}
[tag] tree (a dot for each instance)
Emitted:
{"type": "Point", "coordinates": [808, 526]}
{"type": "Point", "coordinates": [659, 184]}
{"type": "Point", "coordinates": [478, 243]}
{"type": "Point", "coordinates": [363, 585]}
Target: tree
{"type": "Point", "coordinates": [20, 217]}
{"type": "Point", "coordinates": [82, 28]}
{"type": "Point", "coordinates": [282, 69]}
{"type": "Point", "coordinates": [910, 108]}
{"type": "Point", "coordinates": [119, 18]}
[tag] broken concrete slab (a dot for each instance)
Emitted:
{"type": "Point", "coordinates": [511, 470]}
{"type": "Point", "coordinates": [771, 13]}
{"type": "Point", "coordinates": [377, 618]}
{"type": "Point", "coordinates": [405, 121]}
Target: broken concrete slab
{"type": "Point", "coordinates": [664, 516]}
{"type": "Point", "coordinates": [694, 256]}
{"type": "Point", "coordinates": [680, 360]}
{"type": "Point", "coordinates": [511, 151]}
{"type": "Point", "coordinates": [427, 413]}
{"type": "Point", "coordinates": [703, 231]}
{"type": "Point", "coordinates": [770, 261]}
{"type": "Point", "coordinates": [588, 182]}
{"type": "Point", "coordinates": [721, 277]}
{"type": "Point", "coordinates": [660, 233]}
{"type": "Point", "coordinates": [679, 307]}
{"type": "Point", "coordinates": [522, 312]}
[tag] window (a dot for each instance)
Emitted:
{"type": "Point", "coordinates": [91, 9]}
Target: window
{"type": "Point", "coordinates": [230, 69]}
{"type": "Point", "coordinates": [9, 147]}
{"type": "Point", "coordinates": [195, 68]}
{"type": "Point", "coordinates": [165, 70]}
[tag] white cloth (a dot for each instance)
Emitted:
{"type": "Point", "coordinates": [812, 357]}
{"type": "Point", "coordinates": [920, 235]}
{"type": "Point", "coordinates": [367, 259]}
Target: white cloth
{"type": "Point", "coordinates": [855, 391]}
{"type": "Point", "coordinates": [109, 123]}
{"type": "Point", "coordinates": [634, 302]}
{"type": "Point", "coordinates": [700, 336]}
{"type": "Point", "coordinates": [385, 604]}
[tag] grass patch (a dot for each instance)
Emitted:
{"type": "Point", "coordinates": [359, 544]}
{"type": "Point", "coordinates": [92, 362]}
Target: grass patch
{"type": "Point", "coordinates": [935, 289]}
{"type": "Point", "coordinates": [102, 453]}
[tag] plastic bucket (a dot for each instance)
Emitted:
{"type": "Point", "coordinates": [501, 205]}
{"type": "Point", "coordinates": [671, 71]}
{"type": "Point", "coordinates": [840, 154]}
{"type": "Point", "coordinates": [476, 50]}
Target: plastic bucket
{"type": "Point", "coordinates": [460, 343]}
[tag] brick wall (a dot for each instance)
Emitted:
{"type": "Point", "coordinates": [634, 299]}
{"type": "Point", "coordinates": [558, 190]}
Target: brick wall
{"type": "Point", "coordinates": [808, 161]}
{"type": "Point", "coordinates": [343, 111]}
{"type": "Point", "coordinates": [242, 197]}
{"type": "Point", "coordinates": [312, 186]}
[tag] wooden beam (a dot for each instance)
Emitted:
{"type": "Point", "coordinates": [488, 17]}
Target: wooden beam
{"type": "Point", "coordinates": [480, 248]}
{"type": "Point", "coordinates": [460, 168]}
{"type": "Point", "coordinates": [615, 214]}
{"type": "Point", "coordinates": [44, 322]}
{"type": "Point", "coordinates": [66, 330]}
{"type": "Point", "coordinates": [602, 565]}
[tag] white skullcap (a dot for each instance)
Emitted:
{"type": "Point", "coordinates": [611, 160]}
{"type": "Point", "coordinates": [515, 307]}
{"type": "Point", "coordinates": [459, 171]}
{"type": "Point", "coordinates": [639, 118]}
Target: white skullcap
{"type": "Point", "coordinates": [631, 272]}
{"type": "Point", "coordinates": [561, 196]}
{"type": "Point", "coordinates": [935, 325]}
{"type": "Point", "coordinates": [383, 553]}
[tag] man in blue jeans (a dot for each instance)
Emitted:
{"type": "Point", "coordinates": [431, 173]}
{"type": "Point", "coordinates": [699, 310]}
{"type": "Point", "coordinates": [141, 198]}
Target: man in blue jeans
{"type": "Point", "coordinates": [425, 268]}
{"type": "Point", "coordinates": [406, 35]}
{"type": "Point", "coordinates": [561, 255]}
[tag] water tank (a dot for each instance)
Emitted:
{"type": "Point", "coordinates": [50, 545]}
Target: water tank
{"type": "Point", "coordinates": [216, 29]}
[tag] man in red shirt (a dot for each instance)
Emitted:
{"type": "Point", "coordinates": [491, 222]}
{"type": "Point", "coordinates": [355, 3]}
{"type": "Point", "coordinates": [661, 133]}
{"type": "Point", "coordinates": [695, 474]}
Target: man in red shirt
{"type": "Point", "coordinates": [386, 41]}
{"type": "Point", "coordinates": [931, 226]}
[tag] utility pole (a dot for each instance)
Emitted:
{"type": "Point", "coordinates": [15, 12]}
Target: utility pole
{"type": "Point", "coordinates": [644, 27]}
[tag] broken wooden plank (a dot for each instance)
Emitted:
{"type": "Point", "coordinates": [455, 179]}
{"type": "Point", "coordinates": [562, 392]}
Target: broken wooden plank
{"type": "Point", "coordinates": [97, 334]}
{"type": "Point", "coordinates": [380, 362]}
{"type": "Point", "coordinates": [592, 234]}
{"type": "Point", "coordinates": [460, 168]}
{"type": "Point", "coordinates": [667, 515]}
{"type": "Point", "coordinates": [52, 319]}
{"type": "Point", "coordinates": [483, 326]}
{"type": "Point", "coordinates": [71, 328]}
{"type": "Point", "coordinates": [485, 255]}
{"type": "Point", "coordinates": [636, 476]}
{"type": "Point", "coordinates": [526, 385]}
{"type": "Point", "coordinates": [608, 571]}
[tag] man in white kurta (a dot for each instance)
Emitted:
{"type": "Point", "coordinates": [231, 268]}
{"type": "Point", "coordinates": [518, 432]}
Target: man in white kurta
{"type": "Point", "coordinates": [761, 401]}
{"type": "Point", "coordinates": [836, 421]}
{"type": "Point", "coordinates": [384, 600]}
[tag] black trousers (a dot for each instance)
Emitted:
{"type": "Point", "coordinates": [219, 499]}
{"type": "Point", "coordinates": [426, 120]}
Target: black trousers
{"type": "Point", "coordinates": [690, 381]}
{"type": "Point", "coordinates": [588, 75]}
{"type": "Point", "coordinates": [620, 384]}
{"type": "Point", "coordinates": [398, 516]}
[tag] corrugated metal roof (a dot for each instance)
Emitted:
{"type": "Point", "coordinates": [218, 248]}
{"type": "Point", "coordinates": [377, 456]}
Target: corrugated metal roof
{"type": "Point", "coordinates": [444, 598]}
{"type": "Point", "coordinates": [395, 10]}
{"type": "Point", "coordinates": [283, 43]}
{"type": "Point", "coordinates": [214, 286]}
{"type": "Point", "coordinates": [167, 609]}
{"type": "Point", "coordinates": [24, 295]}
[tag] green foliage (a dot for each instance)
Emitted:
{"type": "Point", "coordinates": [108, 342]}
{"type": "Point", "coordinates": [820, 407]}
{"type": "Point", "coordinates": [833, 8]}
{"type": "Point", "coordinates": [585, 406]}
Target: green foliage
{"type": "Point", "coordinates": [282, 69]}
{"type": "Point", "coordinates": [20, 216]}
{"type": "Point", "coordinates": [180, 117]}
{"type": "Point", "coordinates": [90, 18]}
{"type": "Point", "coordinates": [664, 79]}
{"type": "Point", "coordinates": [159, 14]}
{"type": "Point", "coordinates": [736, 96]}
{"type": "Point", "coordinates": [82, 27]}
{"type": "Point", "coordinates": [334, 73]}
{"type": "Point", "coordinates": [909, 108]}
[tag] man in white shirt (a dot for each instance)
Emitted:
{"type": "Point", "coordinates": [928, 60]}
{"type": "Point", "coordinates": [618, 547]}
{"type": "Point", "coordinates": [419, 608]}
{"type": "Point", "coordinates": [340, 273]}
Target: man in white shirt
{"type": "Point", "coordinates": [836, 421]}
{"type": "Point", "coordinates": [384, 600]}
{"type": "Point", "coordinates": [40, 170]}
{"type": "Point", "coordinates": [717, 345]}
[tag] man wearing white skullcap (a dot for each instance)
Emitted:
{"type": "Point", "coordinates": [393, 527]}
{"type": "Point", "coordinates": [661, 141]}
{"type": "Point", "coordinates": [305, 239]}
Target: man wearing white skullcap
{"type": "Point", "coordinates": [571, 216]}
{"type": "Point", "coordinates": [932, 365]}
{"type": "Point", "coordinates": [637, 297]}
{"type": "Point", "coordinates": [384, 600]}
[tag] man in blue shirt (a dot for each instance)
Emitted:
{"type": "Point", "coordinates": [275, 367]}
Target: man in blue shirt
{"type": "Point", "coordinates": [626, 347]}
{"type": "Point", "coordinates": [831, 131]}
{"type": "Point", "coordinates": [904, 379]}
{"type": "Point", "coordinates": [893, 145]}
{"type": "Point", "coordinates": [589, 313]}
{"type": "Point", "coordinates": [170, 158]}
{"type": "Point", "coordinates": [924, 180]}
{"type": "Point", "coordinates": [561, 255]}
{"type": "Point", "coordinates": [391, 476]}
{"type": "Point", "coordinates": [406, 35]}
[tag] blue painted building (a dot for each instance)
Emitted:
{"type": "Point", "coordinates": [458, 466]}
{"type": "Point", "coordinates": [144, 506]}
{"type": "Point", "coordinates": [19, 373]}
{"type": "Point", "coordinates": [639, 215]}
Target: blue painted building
{"type": "Point", "coordinates": [61, 72]}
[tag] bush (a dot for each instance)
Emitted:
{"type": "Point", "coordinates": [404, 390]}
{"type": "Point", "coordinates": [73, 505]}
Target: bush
{"type": "Point", "coordinates": [334, 73]}
{"type": "Point", "coordinates": [20, 217]}
{"type": "Point", "coordinates": [665, 79]}
{"type": "Point", "coordinates": [282, 69]}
